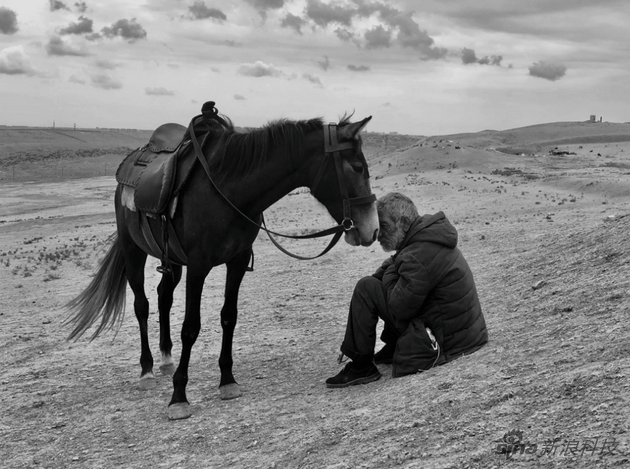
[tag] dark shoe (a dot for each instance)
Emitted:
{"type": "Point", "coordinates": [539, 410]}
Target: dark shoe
{"type": "Point", "coordinates": [351, 375]}
{"type": "Point", "coordinates": [385, 355]}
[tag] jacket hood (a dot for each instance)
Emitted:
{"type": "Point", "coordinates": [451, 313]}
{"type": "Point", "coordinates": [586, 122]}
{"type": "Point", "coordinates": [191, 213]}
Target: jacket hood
{"type": "Point", "coordinates": [433, 229]}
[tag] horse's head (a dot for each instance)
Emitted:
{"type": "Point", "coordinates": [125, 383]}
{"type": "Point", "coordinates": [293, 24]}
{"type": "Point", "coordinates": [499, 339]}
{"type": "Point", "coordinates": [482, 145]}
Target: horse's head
{"type": "Point", "coordinates": [341, 182]}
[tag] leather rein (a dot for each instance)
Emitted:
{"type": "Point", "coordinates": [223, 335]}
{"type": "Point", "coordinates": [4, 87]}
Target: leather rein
{"type": "Point", "coordinates": [331, 146]}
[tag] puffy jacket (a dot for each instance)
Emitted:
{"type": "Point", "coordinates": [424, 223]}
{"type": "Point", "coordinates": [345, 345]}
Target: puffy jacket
{"type": "Point", "coordinates": [428, 283]}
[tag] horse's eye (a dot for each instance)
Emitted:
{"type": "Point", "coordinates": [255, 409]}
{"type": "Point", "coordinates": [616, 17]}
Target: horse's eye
{"type": "Point", "coordinates": [357, 167]}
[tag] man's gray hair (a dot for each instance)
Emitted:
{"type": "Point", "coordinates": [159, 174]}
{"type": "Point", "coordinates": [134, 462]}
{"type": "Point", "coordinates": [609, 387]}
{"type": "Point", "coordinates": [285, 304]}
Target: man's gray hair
{"type": "Point", "coordinates": [397, 206]}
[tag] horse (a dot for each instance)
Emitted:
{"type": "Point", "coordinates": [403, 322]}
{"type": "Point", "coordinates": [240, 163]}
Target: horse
{"type": "Point", "coordinates": [216, 221]}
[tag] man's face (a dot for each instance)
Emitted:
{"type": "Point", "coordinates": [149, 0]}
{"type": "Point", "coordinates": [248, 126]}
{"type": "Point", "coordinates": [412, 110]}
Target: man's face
{"type": "Point", "coordinates": [391, 232]}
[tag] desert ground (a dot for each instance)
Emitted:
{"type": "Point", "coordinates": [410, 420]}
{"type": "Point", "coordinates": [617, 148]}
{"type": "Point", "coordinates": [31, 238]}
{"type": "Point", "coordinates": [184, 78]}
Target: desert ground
{"type": "Point", "coordinates": [543, 219]}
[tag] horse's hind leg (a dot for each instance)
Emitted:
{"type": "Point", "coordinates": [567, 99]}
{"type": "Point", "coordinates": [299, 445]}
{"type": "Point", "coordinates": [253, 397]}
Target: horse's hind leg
{"type": "Point", "coordinates": [135, 260]}
{"type": "Point", "coordinates": [165, 302]}
{"type": "Point", "coordinates": [228, 387]}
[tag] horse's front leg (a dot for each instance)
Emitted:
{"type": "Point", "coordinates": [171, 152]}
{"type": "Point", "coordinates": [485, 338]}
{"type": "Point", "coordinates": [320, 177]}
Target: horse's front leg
{"type": "Point", "coordinates": [179, 407]}
{"type": "Point", "coordinates": [228, 387]}
{"type": "Point", "coordinates": [165, 302]}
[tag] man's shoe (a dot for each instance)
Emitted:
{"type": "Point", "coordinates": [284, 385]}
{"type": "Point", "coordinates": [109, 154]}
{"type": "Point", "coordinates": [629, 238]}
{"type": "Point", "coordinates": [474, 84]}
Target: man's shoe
{"type": "Point", "coordinates": [351, 375]}
{"type": "Point", "coordinates": [385, 355]}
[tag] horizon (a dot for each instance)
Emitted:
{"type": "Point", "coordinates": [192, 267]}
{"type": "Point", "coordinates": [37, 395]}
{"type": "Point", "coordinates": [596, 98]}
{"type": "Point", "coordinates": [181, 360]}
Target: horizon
{"type": "Point", "coordinates": [443, 69]}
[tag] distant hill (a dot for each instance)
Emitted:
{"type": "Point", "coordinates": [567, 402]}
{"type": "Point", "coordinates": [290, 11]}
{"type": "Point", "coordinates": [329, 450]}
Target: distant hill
{"type": "Point", "coordinates": [535, 138]}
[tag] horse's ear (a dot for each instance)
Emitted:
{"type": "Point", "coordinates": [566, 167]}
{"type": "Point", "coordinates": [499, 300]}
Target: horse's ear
{"type": "Point", "coordinates": [350, 131]}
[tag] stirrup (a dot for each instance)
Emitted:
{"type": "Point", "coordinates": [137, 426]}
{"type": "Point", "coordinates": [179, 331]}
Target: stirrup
{"type": "Point", "coordinates": [342, 358]}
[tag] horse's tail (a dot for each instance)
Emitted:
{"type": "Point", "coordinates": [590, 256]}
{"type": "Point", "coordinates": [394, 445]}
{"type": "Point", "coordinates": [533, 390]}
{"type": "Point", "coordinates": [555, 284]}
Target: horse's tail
{"type": "Point", "coordinates": [104, 297]}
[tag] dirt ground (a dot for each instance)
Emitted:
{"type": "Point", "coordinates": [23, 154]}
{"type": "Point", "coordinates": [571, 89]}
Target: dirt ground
{"type": "Point", "coordinates": [545, 235]}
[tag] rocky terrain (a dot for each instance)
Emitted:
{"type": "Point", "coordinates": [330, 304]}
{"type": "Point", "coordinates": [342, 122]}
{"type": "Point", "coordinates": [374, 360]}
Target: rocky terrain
{"type": "Point", "coordinates": [542, 214]}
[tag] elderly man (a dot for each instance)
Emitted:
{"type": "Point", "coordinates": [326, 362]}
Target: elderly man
{"type": "Point", "coordinates": [424, 293]}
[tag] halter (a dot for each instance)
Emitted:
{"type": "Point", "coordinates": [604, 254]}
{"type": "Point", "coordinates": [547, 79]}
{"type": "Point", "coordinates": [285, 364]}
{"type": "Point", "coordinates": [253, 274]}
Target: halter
{"type": "Point", "coordinates": [331, 146]}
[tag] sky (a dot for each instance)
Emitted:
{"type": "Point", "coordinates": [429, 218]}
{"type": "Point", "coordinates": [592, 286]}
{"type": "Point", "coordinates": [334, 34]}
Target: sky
{"type": "Point", "coordinates": [419, 67]}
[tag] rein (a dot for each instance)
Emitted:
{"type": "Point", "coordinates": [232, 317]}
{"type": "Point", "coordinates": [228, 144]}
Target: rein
{"type": "Point", "coordinates": [331, 146]}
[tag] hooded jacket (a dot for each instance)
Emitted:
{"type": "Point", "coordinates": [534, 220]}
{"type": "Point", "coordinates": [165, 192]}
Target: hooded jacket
{"type": "Point", "coordinates": [428, 283]}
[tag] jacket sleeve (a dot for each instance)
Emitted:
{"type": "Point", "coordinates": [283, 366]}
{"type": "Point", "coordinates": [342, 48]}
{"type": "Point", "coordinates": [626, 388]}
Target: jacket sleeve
{"type": "Point", "coordinates": [381, 270]}
{"type": "Point", "coordinates": [411, 289]}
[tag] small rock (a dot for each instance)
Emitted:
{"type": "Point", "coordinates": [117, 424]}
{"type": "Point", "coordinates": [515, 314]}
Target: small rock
{"type": "Point", "coordinates": [539, 284]}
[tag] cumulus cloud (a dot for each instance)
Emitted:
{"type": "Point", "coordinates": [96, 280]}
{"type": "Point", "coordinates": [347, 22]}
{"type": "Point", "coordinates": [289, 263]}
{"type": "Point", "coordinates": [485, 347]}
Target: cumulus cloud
{"type": "Point", "coordinates": [323, 13]}
{"type": "Point", "coordinates": [548, 70]}
{"type": "Point", "coordinates": [239, 97]}
{"type": "Point", "coordinates": [8, 21]}
{"type": "Point", "coordinates": [13, 61]}
{"type": "Point", "coordinates": [81, 7]}
{"type": "Point", "coordinates": [83, 26]}
{"type": "Point", "coordinates": [294, 22]}
{"type": "Point", "coordinates": [57, 5]}
{"type": "Point", "coordinates": [378, 36]}
{"type": "Point", "coordinates": [389, 26]}
{"type": "Point", "coordinates": [58, 46]}
{"type": "Point", "coordinates": [358, 68]}
{"type": "Point", "coordinates": [469, 57]}
{"type": "Point", "coordinates": [159, 91]}
{"type": "Point", "coordinates": [106, 82]}
{"type": "Point", "coordinates": [199, 11]}
{"type": "Point", "coordinates": [259, 69]}
{"type": "Point", "coordinates": [129, 30]}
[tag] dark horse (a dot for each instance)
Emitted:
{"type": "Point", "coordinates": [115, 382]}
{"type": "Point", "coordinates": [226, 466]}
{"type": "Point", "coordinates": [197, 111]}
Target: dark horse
{"type": "Point", "coordinates": [249, 172]}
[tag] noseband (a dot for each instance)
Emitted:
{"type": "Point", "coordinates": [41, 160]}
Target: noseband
{"type": "Point", "coordinates": [331, 146]}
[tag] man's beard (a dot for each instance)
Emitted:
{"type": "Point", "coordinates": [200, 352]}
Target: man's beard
{"type": "Point", "coordinates": [391, 242]}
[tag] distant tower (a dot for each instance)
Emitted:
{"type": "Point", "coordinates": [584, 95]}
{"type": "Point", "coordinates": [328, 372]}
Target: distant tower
{"type": "Point", "coordinates": [53, 124]}
{"type": "Point", "coordinates": [593, 117]}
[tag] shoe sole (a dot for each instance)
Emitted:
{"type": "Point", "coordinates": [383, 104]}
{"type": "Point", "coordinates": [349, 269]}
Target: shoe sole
{"type": "Point", "coordinates": [365, 380]}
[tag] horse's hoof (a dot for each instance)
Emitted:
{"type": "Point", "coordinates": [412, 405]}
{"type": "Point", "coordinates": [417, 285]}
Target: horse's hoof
{"type": "Point", "coordinates": [147, 381]}
{"type": "Point", "coordinates": [179, 411]}
{"type": "Point", "coordinates": [230, 391]}
{"type": "Point", "coordinates": [167, 369]}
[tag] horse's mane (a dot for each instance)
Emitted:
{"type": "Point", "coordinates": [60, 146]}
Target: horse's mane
{"type": "Point", "coordinates": [243, 152]}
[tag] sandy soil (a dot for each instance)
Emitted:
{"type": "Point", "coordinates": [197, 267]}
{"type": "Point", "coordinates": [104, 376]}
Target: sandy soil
{"type": "Point", "coordinates": [544, 234]}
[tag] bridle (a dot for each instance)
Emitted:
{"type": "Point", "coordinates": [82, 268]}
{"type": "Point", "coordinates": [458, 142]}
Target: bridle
{"type": "Point", "coordinates": [331, 147]}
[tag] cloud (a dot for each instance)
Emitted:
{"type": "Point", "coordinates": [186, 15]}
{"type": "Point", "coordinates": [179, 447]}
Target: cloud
{"type": "Point", "coordinates": [294, 22]}
{"type": "Point", "coordinates": [76, 79]}
{"type": "Point", "coordinates": [239, 97]}
{"type": "Point", "coordinates": [389, 26]}
{"type": "Point", "coordinates": [13, 61]}
{"type": "Point", "coordinates": [469, 57]}
{"type": "Point", "coordinates": [313, 79]}
{"type": "Point", "coordinates": [57, 46]}
{"type": "Point", "coordinates": [259, 69]}
{"type": "Point", "coordinates": [81, 7]}
{"type": "Point", "coordinates": [263, 5]}
{"type": "Point", "coordinates": [84, 25]}
{"type": "Point", "coordinates": [378, 36]}
{"type": "Point", "coordinates": [159, 92]}
{"type": "Point", "coordinates": [548, 70]}
{"type": "Point", "coordinates": [323, 14]}
{"type": "Point", "coordinates": [358, 68]}
{"type": "Point", "coordinates": [8, 21]}
{"type": "Point", "coordinates": [324, 64]}
{"type": "Point", "coordinates": [104, 81]}
{"type": "Point", "coordinates": [106, 64]}
{"type": "Point", "coordinates": [127, 29]}
{"type": "Point", "coordinates": [57, 5]}
{"type": "Point", "coordinates": [199, 11]}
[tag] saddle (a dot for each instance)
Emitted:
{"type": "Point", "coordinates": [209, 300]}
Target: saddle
{"type": "Point", "coordinates": [157, 170]}
{"type": "Point", "coordinates": [154, 174]}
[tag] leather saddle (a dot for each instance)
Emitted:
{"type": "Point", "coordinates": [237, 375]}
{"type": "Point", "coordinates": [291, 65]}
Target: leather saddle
{"type": "Point", "coordinates": [158, 170]}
